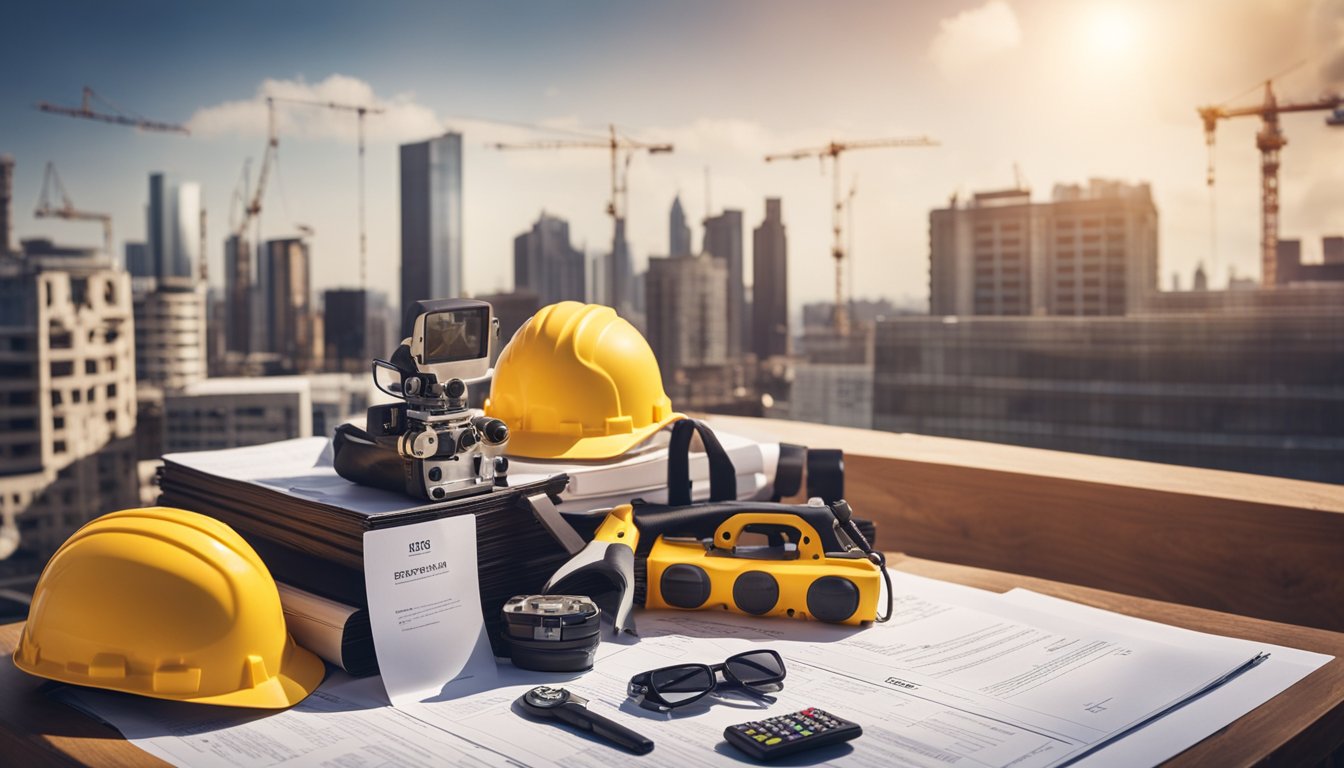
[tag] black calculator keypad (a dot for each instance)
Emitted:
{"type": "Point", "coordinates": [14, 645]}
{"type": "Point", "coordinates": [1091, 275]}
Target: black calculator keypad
{"type": "Point", "coordinates": [787, 734]}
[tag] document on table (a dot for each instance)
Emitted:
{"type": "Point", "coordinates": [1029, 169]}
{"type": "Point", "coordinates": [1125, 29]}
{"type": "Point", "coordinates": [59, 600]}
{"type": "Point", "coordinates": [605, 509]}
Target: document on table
{"type": "Point", "coordinates": [346, 722]}
{"type": "Point", "coordinates": [425, 606]}
{"type": "Point", "coordinates": [959, 676]}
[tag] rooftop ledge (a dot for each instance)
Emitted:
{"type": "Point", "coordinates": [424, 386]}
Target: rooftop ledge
{"type": "Point", "coordinates": [1266, 547]}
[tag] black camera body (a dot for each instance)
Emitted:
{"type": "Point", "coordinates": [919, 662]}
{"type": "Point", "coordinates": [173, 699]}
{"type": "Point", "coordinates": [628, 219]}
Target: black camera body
{"type": "Point", "coordinates": [446, 449]}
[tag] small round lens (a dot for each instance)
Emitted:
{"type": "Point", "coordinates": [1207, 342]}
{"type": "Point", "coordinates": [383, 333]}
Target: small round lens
{"type": "Point", "coordinates": [756, 667]}
{"type": "Point", "coordinates": [679, 685]}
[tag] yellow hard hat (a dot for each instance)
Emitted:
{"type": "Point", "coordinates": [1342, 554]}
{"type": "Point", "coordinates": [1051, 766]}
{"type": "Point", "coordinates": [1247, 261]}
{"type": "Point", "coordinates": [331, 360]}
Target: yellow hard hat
{"type": "Point", "coordinates": [165, 603]}
{"type": "Point", "coordinates": [578, 382]}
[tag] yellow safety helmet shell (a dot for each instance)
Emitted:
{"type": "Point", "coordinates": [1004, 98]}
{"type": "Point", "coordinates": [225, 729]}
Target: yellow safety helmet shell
{"type": "Point", "coordinates": [165, 603]}
{"type": "Point", "coordinates": [578, 382]}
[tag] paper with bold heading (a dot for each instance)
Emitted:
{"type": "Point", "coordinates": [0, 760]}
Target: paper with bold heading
{"type": "Point", "coordinates": [425, 607]}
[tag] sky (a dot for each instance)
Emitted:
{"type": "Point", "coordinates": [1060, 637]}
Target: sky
{"type": "Point", "coordinates": [1051, 91]}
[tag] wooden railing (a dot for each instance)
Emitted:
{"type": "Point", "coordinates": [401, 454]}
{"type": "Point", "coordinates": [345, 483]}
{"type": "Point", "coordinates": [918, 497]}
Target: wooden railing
{"type": "Point", "coordinates": [1247, 544]}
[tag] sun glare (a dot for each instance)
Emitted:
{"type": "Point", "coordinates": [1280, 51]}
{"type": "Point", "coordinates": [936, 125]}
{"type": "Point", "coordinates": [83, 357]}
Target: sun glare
{"type": "Point", "coordinates": [1111, 30]}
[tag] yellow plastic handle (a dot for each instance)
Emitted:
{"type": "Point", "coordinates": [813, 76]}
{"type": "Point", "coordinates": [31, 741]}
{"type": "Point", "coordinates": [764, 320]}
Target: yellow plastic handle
{"type": "Point", "coordinates": [809, 546]}
{"type": "Point", "coordinates": [619, 527]}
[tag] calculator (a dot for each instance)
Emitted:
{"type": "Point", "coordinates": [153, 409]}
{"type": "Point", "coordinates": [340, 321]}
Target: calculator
{"type": "Point", "coordinates": [790, 734]}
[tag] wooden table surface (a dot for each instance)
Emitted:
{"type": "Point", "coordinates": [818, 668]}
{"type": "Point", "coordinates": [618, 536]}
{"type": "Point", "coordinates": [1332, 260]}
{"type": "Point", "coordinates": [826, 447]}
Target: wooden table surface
{"type": "Point", "coordinates": [1302, 726]}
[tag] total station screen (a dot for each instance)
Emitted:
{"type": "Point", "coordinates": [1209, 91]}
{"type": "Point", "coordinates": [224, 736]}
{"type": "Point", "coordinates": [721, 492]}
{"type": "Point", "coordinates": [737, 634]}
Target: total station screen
{"type": "Point", "coordinates": [454, 336]}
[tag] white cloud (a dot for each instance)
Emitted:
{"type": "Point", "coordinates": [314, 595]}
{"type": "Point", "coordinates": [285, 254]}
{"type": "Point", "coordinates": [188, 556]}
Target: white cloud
{"type": "Point", "coordinates": [402, 118]}
{"type": "Point", "coordinates": [974, 36]}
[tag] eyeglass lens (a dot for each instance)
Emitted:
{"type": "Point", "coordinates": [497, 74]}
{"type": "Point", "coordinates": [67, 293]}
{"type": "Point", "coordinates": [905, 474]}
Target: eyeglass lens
{"type": "Point", "coordinates": [756, 668]}
{"type": "Point", "coordinates": [677, 685]}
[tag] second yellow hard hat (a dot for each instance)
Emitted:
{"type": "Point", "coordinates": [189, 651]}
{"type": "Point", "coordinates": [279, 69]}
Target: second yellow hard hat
{"type": "Point", "coordinates": [165, 603]}
{"type": "Point", "coordinates": [578, 382]}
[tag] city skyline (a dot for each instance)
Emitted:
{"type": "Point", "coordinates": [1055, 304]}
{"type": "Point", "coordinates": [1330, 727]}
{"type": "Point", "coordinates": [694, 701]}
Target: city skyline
{"type": "Point", "coordinates": [984, 78]}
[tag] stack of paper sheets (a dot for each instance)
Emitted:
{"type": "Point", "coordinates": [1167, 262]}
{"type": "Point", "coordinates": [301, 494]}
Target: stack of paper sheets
{"type": "Point", "coordinates": [959, 676]}
{"type": "Point", "coordinates": [308, 523]}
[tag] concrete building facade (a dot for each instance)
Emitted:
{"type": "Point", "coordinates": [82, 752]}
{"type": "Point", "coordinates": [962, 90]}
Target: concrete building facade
{"type": "Point", "coordinates": [1091, 250]}
{"type": "Point", "coordinates": [170, 331]}
{"type": "Point", "coordinates": [431, 220]}
{"type": "Point", "coordinates": [1241, 387]}
{"type": "Point", "coordinates": [686, 299]}
{"type": "Point", "coordinates": [67, 396]}
{"type": "Point", "coordinates": [288, 328]}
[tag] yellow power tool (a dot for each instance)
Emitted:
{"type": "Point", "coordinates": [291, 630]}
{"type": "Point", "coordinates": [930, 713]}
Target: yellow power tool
{"type": "Point", "coordinates": [813, 562]}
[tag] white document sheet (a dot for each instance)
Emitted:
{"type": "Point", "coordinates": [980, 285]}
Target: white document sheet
{"type": "Point", "coordinates": [961, 676]}
{"type": "Point", "coordinates": [425, 606]}
{"type": "Point", "coordinates": [1177, 731]}
{"type": "Point", "coordinates": [346, 722]}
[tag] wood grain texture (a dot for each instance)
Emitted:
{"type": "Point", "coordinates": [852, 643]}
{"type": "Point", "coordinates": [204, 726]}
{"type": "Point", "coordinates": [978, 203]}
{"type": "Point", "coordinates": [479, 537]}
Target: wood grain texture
{"type": "Point", "coordinates": [1258, 546]}
{"type": "Point", "coordinates": [36, 730]}
{"type": "Point", "coordinates": [1302, 726]}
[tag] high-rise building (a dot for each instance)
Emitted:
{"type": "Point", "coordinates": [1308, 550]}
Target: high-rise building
{"type": "Point", "coordinates": [170, 331]}
{"type": "Point", "coordinates": [173, 228]}
{"type": "Point", "coordinates": [599, 279]}
{"type": "Point", "coordinates": [545, 263]}
{"type": "Point", "coordinates": [230, 412]}
{"type": "Point", "coordinates": [6, 205]}
{"type": "Point", "coordinates": [67, 395]}
{"type": "Point", "coordinates": [1091, 250]}
{"type": "Point", "coordinates": [431, 220]}
{"type": "Point", "coordinates": [770, 284]}
{"type": "Point", "coordinates": [238, 294]}
{"type": "Point", "coordinates": [1332, 249]}
{"type": "Point", "coordinates": [1292, 270]}
{"type": "Point", "coordinates": [678, 231]}
{"type": "Point", "coordinates": [1246, 381]}
{"type": "Point", "coordinates": [354, 332]}
{"type": "Point", "coordinates": [621, 277]}
{"type": "Point", "coordinates": [285, 270]}
{"type": "Point", "coordinates": [685, 300]}
{"type": "Point", "coordinates": [723, 240]}
{"type": "Point", "coordinates": [137, 260]}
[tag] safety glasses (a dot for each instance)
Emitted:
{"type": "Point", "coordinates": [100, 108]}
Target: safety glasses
{"type": "Point", "coordinates": [682, 684]}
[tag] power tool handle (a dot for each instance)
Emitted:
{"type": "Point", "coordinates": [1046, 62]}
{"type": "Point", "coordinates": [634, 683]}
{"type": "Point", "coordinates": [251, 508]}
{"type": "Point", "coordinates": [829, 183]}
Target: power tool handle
{"type": "Point", "coordinates": [701, 521]}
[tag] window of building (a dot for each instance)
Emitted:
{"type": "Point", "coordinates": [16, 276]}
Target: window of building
{"type": "Point", "coordinates": [111, 391]}
{"type": "Point", "coordinates": [76, 396]}
{"type": "Point", "coordinates": [58, 422]}
{"type": "Point", "coordinates": [79, 290]}
{"type": "Point", "coordinates": [62, 368]}
{"type": "Point", "coordinates": [58, 446]}
{"type": "Point", "coordinates": [90, 366]}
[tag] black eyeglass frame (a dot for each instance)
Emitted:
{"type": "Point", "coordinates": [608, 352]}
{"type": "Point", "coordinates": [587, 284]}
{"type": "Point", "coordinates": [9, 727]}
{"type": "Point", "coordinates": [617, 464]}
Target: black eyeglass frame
{"type": "Point", "coordinates": [642, 687]}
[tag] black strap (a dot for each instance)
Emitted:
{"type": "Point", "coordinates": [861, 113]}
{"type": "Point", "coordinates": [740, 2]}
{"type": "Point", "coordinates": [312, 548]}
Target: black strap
{"type": "Point", "coordinates": [722, 473]}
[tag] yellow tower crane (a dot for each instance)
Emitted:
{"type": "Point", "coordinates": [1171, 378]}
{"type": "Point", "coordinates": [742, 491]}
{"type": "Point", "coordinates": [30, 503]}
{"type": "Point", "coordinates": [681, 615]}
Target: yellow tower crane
{"type": "Point", "coordinates": [622, 149]}
{"type": "Point", "coordinates": [833, 151]}
{"type": "Point", "coordinates": [1269, 140]}
{"type": "Point", "coordinates": [51, 185]}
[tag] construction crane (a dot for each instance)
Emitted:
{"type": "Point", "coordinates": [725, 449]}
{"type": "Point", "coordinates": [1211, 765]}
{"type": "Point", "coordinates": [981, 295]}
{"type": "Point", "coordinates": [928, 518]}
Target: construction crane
{"type": "Point", "coordinates": [360, 111]}
{"type": "Point", "coordinates": [622, 149]}
{"type": "Point", "coordinates": [833, 151]}
{"type": "Point", "coordinates": [252, 207]}
{"type": "Point", "coordinates": [51, 184]}
{"type": "Point", "coordinates": [117, 115]}
{"type": "Point", "coordinates": [1269, 141]}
